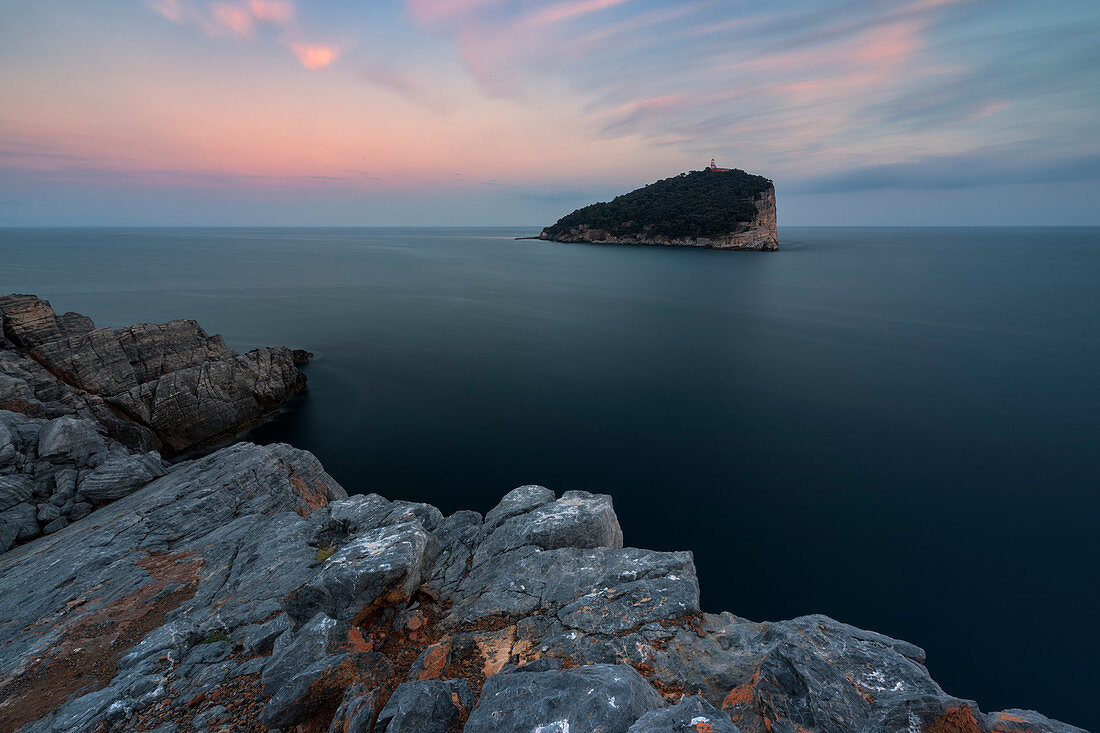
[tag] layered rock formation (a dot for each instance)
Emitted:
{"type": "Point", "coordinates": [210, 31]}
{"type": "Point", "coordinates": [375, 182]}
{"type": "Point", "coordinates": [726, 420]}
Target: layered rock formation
{"type": "Point", "coordinates": [166, 387]}
{"type": "Point", "coordinates": [245, 591]}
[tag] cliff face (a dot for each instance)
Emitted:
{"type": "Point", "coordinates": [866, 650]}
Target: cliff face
{"type": "Point", "coordinates": [245, 591]}
{"type": "Point", "coordinates": [151, 387]}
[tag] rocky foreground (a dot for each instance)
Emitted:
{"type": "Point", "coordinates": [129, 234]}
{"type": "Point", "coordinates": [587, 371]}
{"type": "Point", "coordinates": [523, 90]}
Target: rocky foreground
{"type": "Point", "coordinates": [245, 591]}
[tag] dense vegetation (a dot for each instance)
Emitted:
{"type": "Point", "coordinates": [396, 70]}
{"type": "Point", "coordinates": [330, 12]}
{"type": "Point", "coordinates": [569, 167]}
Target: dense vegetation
{"type": "Point", "coordinates": [696, 204]}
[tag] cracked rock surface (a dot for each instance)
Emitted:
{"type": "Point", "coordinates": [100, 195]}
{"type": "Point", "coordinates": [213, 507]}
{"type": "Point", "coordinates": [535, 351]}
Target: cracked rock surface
{"type": "Point", "coordinates": [245, 591]}
{"type": "Point", "coordinates": [167, 387]}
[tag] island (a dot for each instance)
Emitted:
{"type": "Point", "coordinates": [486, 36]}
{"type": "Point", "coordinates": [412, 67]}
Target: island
{"type": "Point", "coordinates": [715, 208]}
{"type": "Point", "coordinates": [245, 590]}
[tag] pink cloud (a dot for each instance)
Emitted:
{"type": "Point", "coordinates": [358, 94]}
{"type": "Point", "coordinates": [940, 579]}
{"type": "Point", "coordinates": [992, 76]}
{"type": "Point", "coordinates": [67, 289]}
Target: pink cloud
{"type": "Point", "coordinates": [170, 9]}
{"type": "Point", "coordinates": [280, 12]}
{"type": "Point", "coordinates": [889, 44]}
{"type": "Point", "coordinates": [314, 57]}
{"type": "Point", "coordinates": [566, 11]}
{"type": "Point", "coordinates": [233, 18]}
{"type": "Point", "coordinates": [238, 18]}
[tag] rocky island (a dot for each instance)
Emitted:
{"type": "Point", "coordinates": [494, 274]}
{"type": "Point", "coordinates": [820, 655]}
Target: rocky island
{"type": "Point", "coordinates": [715, 208]}
{"type": "Point", "coordinates": [245, 590]}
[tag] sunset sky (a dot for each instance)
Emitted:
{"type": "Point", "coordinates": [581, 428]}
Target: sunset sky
{"type": "Point", "coordinates": [514, 112]}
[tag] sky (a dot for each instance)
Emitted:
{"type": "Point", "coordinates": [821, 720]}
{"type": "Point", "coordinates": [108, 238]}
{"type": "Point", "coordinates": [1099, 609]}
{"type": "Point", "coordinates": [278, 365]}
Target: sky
{"type": "Point", "coordinates": [515, 112]}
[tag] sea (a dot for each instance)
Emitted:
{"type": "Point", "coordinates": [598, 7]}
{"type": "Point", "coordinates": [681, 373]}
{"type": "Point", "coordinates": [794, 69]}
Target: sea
{"type": "Point", "coordinates": [896, 427]}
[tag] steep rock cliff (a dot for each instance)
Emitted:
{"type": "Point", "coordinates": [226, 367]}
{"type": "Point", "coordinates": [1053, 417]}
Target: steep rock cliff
{"type": "Point", "coordinates": [163, 387]}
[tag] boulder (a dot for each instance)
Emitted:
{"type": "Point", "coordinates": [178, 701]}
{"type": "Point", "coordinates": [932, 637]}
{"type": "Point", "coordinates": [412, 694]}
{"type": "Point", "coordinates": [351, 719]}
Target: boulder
{"type": "Point", "coordinates": [356, 711]}
{"type": "Point", "coordinates": [692, 714]}
{"type": "Point", "coordinates": [604, 698]}
{"type": "Point", "coordinates": [120, 475]}
{"type": "Point", "coordinates": [47, 513]}
{"type": "Point", "coordinates": [322, 684]}
{"type": "Point", "coordinates": [69, 440]}
{"type": "Point", "coordinates": [320, 637]}
{"type": "Point", "coordinates": [426, 706]}
{"type": "Point", "coordinates": [15, 489]}
{"type": "Point", "coordinates": [21, 521]}
{"type": "Point", "coordinates": [577, 519]}
{"type": "Point", "coordinates": [384, 564]}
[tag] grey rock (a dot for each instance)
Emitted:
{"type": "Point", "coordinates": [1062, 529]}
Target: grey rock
{"type": "Point", "coordinates": [47, 513]}
{"type": "Point", "coordinates": [541, 605]}
{"type": "Point", "coordinates": [70, 440]}
{"type": "Point", "coordinates": [55, 525]}
{"type": "Point", "coordinates": [174, 385]}
{"type": "Point", "coordinates": [358, 514]}
{"type": "Point", "coordinates": [210, 716]}
{"type": "Point", "coordinates": [427, 706]}
{"type": "Point", "coordinates": [691, 715]}
{"type": "Point", "coordinates": [215, 545]}
{"type": "Point", "coordinates": [260, 638]}
{"type": "Point", "coordinates": [22, 519]}
{"type": "Point", "coordinates": [904, 713]}
{"type": "Point", "coordinates": [15, 489]}
{"type": "Point", "coordinates": [598, 698]}
{"type": "Point", "coordinates": [518, 501]}
{"type": "Point", "coordinates": [578, 519]}
{"type": "Point", "coordinates": [1015, 720]}
{"type": "Point", "coordinates": [120, 475]}
{"type": "Point", "coordinates": [356, 711]}
{"type": "Point", "coordinates": [321, 684]}
{"type": "Point", "coordinates": [385, 563]}
{"type": "Point", "coordinates": [80, 510]}
{"type": "Point", "coordinates": [320, 637]}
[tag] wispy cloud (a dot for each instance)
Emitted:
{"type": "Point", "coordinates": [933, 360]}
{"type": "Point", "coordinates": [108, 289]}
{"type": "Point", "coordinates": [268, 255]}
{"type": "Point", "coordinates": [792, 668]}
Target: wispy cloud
{"type": "Point", "coordinates": [243, 18]}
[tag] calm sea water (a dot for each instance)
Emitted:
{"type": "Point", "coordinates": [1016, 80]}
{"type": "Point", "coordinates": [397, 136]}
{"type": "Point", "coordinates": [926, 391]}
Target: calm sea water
{"type": "Point", "coordinates": [896, 427]}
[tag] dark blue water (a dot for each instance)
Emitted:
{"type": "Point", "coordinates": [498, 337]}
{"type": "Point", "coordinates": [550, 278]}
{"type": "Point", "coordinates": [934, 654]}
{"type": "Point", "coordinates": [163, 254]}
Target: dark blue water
{"type": "Point", "coordinates": [896, 427]}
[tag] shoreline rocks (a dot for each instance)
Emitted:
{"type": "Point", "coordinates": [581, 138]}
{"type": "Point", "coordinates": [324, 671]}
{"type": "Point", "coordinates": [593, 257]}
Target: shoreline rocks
{"type": "Point", "coordinates": [167, 387]}
{"type": "Point", "coordinates": [246, 591]}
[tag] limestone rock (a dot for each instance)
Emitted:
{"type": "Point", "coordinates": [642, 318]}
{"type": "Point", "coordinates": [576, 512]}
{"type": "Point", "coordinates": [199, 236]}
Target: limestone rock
{"type": "Point", "coordinates": [155, 612]}
{"type": "Point", "coordinates": [603, 697]}
{"type": "Point", "coordinates": [321, 684]}
{"type": "Point", "coordinates": [149, 386]}
{"type": "Point", "coordinates": [356, 711]}
{"type": "Point", "coordinates": [1026, 721]}
{"type": "Point", "coordinates": [120, 475]}
{"type": "Point", "coordinates": [384, 564]}
{"type": "Point", "coordinates": [691, 715]}
{"type": "Point", "coordinates": [427, 706]}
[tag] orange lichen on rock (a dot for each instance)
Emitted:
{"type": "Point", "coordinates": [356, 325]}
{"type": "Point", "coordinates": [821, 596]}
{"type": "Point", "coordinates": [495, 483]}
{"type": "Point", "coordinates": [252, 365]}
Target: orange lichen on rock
{"type": "Point", "coordinates": [959, 719]}
{"type": "Point", "coordinates": [496, 649]}
{"type": "Point", "coordinates": [435, 661]}
{"type": "Point", "coordinates": [742, 694]}
{"type": "Point", "coordinates": [312, 491]}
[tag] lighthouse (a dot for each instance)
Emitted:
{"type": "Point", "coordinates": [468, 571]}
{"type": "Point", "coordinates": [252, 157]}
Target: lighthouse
{"type": "Point", "coordinates": [714, 167]}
